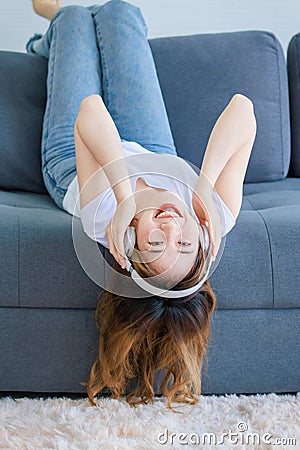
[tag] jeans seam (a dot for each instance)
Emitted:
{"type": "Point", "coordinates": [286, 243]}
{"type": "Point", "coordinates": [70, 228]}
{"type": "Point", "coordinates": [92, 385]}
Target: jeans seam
{"type": "Point", "coordinates": [55, 185]}
{"type": "Point", "coordinates": [103, 66]}
{"type": "Point", "coordinates": [46, 124]}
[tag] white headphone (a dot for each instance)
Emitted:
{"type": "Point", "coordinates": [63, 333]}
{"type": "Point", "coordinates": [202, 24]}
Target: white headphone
{"type": "Point", "coordinates": [129, 243]}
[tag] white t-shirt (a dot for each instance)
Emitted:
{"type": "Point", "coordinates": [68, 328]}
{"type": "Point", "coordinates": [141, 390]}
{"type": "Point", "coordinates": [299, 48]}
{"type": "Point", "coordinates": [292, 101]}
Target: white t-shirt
{"type": "Point", "coordinates": [175, 175]}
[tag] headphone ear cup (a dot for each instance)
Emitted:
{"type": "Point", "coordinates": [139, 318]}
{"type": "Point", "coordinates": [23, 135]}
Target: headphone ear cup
{"type": "Point", "coordinates": [129, 241]}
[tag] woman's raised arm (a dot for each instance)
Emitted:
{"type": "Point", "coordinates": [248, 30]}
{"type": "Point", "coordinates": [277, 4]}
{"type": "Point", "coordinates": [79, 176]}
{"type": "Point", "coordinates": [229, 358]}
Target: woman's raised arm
{"type": "Point", "coordinates": [100, 163]}
{"type": "Point", "coordinates": [98, 146]}
{"type": "Point", "coordinates": [228, 151]}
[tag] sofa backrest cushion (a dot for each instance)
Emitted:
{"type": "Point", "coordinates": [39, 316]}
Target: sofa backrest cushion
{"type": "Point", "coordinates": [293, 64]}
{"type": "Point", "coordinates": [22, 103]}
{"type": "Point", "coordinates": [198, 75]}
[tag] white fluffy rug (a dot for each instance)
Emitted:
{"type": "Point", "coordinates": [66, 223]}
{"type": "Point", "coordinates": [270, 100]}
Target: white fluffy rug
{"type": "Point", "coordinates": [62, 423]}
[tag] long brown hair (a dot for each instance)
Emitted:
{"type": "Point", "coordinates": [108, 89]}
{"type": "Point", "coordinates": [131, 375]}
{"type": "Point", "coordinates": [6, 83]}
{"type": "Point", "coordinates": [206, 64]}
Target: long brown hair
{"type": "Point", "coordinates": [140, 336]}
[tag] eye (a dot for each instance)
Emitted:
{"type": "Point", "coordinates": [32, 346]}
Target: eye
{"type": "Point", "coordinates": [155, 243]}
{"type": "Point", "coordinates": [184, 244]}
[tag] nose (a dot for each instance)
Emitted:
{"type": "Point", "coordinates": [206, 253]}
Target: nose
{"type": "Point", "coordinates": [172, 231]}
{"type": "Point", "coordinates": [170, 225]}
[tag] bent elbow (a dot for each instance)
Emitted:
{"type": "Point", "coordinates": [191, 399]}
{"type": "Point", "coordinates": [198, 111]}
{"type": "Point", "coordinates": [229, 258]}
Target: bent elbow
{"type": "Point", "coordinates": [243, 101]}
{"type": "Point", "coordinates": [246, 110]}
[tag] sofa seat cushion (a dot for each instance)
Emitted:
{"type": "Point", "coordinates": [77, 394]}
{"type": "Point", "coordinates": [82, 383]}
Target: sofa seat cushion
{"type": "Point", "coordinates": [260, 255]}
{"type": "Point", "coordinates": [38, 264]}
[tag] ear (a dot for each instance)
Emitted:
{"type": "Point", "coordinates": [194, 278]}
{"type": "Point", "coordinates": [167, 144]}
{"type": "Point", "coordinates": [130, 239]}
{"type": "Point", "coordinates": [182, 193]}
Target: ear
{"type": "Point", "coordinates": [133, 222]}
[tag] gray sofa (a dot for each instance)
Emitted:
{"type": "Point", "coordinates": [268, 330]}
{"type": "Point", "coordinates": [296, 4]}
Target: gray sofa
{"type": "Point", "coordinates": [48, 336]}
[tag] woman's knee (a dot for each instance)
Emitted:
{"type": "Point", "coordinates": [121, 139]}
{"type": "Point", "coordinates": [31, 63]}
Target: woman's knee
{"type": "Point", "coordinates": [74, 13]}
{"type": "Point", "coordinates": [118, 8]}
{"type": "Point", "coordinates": [118, 5]}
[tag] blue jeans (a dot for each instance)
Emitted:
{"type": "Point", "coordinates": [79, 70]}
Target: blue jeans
{"type": "Point", "coordinates": [101, 49]}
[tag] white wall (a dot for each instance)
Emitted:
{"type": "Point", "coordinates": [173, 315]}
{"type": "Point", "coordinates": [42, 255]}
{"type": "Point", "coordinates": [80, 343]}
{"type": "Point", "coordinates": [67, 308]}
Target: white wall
{"type": "Point", "coordinates": [168, 18]}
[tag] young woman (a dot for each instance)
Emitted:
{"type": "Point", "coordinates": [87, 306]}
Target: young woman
{"type": "Point", "coordinates": [108, 157]}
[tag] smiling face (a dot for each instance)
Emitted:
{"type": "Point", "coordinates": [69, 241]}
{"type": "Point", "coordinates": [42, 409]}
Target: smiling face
{"type": "Point", "coordinates": [167, 235]}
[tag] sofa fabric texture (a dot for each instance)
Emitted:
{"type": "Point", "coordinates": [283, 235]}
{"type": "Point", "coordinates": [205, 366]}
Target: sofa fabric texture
{"type": "Point", "coordinates": [34, 235]}
{"type": "Point", "coordinates": [48, 337]}
{"type": "Point", "coordinates": [189, 67]}
{"type": "Point", "coordinates": [23, 99]}
{"type": "Point", "coordinates": [210, 68]}
{"type": "Point", "coordinates": [293, 65]}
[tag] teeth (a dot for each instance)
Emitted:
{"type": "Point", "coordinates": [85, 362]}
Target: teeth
{"type": "Point", "coordinates": [168, 212]}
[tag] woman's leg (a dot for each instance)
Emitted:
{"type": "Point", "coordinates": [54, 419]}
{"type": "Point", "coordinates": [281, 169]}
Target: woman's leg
{"type": "Point", "coordinates": [131, 90]}
{"type": "Point", "coordinates": [73, 74]}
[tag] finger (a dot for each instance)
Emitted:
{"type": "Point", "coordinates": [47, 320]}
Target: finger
{"type": "Point", "coordinates": [121, 260]}
{"type": "Point", "coordinates": [118, 240]}
{"type": "Point", "coordinates": [112, 248]}
{"type": "Point", "coordinates": [119, 243]}
{"type": "Point", "coordinates": [211, 234]}
{"type": "Point", "coordinates": [213, 242]}
{"type": "Point", "coordinates": [116, 244]}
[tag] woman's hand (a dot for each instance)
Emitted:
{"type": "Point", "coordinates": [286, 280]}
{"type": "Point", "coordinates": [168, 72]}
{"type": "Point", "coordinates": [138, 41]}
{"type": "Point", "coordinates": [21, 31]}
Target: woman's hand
{"type": "Point", "coordinates": [116, 229]}
{"type": "Point", "coordinates": [205, 209]}
{"type": "Point", "coordinates": [212, 222]}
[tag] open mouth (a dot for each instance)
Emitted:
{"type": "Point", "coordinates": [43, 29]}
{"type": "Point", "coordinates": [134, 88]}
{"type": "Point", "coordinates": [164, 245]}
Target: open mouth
{"type": "Point", "coordinates": [167, 210]}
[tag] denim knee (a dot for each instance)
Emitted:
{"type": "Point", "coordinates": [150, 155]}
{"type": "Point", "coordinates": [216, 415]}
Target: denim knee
{"type": "Point", "coordinates": [118, 4]}
{"type": "Point", "coordinates": [120, 8]}
{"type": "Point", "coordinates": [72, 12]}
